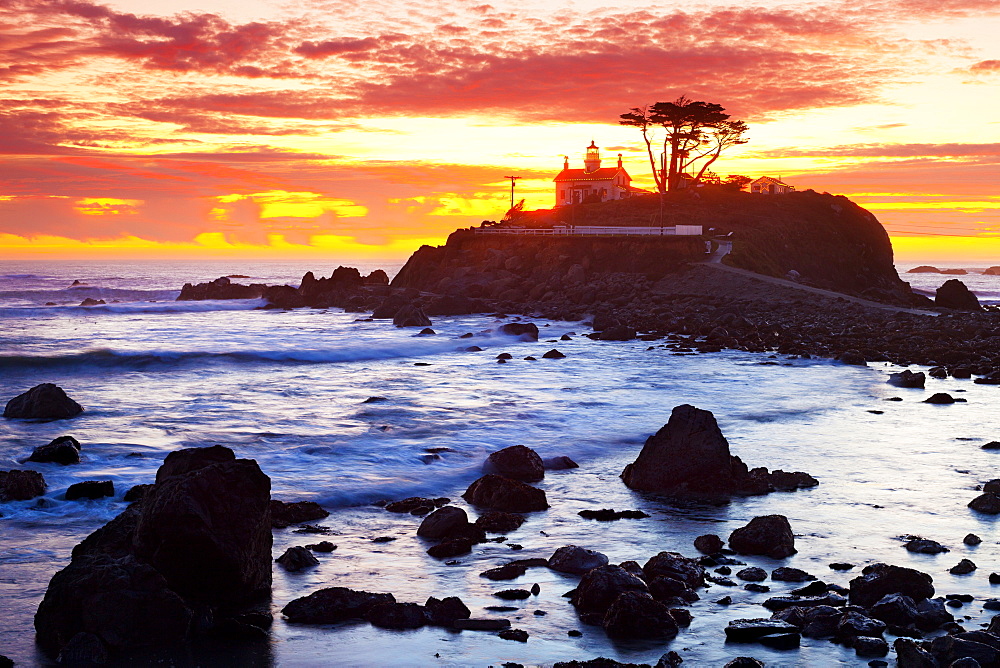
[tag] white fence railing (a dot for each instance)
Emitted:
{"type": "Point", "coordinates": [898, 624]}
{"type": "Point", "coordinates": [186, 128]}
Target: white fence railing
{"type": "Point", "coordinates": [595, 230]}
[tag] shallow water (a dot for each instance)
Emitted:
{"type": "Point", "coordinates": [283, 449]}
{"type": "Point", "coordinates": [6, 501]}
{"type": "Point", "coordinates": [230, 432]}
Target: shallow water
{"type": "Point", "coordinates": [287, 389]}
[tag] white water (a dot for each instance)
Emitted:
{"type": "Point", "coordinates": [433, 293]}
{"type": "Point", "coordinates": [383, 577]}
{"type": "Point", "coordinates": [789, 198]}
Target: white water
{"type": "Point", "coordinates": [287, 389]}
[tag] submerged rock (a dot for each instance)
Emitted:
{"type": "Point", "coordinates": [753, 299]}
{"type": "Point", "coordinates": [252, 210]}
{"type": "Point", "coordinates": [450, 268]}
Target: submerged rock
{"type": "Point", "coordinates": [45, 401]}
{"type": "Point", "coordinates": [90, 489]}
{"type": "Point", "coordinates": [524, 331]}
{"type": "Point", "coordinates": [878, 580]}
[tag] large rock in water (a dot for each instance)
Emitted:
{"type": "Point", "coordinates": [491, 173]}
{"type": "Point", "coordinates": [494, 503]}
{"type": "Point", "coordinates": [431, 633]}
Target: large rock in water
{"type": "Point", "coordinates": [64, 450]}
{"type": "Point", "coordinates": [689, 454]}
{"type": "Point", "coordinates": [199, 539]}
{"type": "Point", "coordinates": [411, 315]}
{"type": "Point", "coordinates": [208, 531]}
{"type": "Point", "coordinates": [955, 295]}
{"type": "Point", "coordinates": [46, 401]}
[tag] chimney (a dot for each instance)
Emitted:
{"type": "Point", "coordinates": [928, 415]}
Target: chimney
{"type": "Point", "coordinates": [565, 162]}
{"type": "Point", "coordinates": [619, 161]}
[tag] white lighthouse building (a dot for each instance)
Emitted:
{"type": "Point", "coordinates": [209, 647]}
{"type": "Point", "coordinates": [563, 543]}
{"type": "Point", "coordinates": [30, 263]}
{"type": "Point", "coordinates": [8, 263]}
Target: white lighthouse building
{"type": "Point", "coordinates": [593, 183]}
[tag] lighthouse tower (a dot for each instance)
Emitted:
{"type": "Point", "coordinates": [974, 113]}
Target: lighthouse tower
{"type": "Point", "coordinates": [592, 161]}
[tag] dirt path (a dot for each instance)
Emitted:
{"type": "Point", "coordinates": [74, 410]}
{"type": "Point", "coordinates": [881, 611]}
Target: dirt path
{"type": "Point", "coordinates": [715, 265]}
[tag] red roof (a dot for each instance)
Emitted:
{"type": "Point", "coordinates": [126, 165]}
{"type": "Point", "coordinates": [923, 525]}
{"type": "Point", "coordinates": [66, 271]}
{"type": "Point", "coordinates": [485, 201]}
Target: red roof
{"type": "Point", "coordinates": [602, 174]}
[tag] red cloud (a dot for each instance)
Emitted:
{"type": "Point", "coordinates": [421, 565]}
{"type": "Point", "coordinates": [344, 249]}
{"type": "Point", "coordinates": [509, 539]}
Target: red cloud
{"type": "Point", "coordinates": [889, 151]}
{"type": "Point", "coordinates": [986, 66]}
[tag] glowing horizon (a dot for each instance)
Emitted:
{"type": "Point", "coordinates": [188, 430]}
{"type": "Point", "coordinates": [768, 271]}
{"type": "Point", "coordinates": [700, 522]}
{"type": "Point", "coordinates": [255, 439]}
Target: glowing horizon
{"type": "Point", "coordinates": [272, 129]}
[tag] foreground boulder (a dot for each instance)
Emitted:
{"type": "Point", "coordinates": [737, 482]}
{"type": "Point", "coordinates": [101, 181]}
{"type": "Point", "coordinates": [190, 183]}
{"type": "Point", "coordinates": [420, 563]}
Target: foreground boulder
{"type": "Point", "coordinates": [499, 493]}
{"type": "Point", "coordinates": [636, 614]}
{"type": "Point", "coordinates": [602, 585]}
{"type": "Point", "coordinates": [955, 295]}
{"type": "Point", "coordinates": [45, 401]}
{"type": "Point", "coordinates": [768, 535]}
{"type": "Point", "coordinates": [21, 485]}
{"type": "Point", "coordinates": [197, 545]}
{"type": "Point", "coordinates": [518, 462]}
{"type": "Point", "coordinates": [690, 456]}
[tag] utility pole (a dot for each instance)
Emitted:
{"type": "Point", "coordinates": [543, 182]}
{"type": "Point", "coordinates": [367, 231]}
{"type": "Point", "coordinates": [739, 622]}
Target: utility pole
{"type": "Point", "coordinates": [512, 180]}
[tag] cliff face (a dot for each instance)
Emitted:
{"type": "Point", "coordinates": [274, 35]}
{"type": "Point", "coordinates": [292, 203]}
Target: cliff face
{"type": "Point", "coordinates": [521, 268]}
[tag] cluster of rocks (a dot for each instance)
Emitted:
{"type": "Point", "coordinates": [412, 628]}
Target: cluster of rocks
{"type": "Point", "coordinates": [690, 456]}
{"type": "Point", "coordinates": [190, 557]}
{"type": "Point", "coordinates": [988, 502]}
{"type": "Point", "coordinates": [884, 598]}
{"type": "Point", "coordinates": [339, 604]}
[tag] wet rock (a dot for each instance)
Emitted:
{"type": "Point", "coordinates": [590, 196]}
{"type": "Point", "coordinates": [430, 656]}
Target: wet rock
{"type": "Point", "coordinates": [122, 601]}
{"type": "Point", "coordinates": [636, 614]}
{"type": "Point", "coordinates": [925, 546]}
{"type": "Point", "coordinates": [426, 331]}
{"type": "Point", "coordinates": [446, 611]}
{"type": "Point", "coordinates": [814, 588]}
{"type": "Point", "coordinates": [411, 315]}
{"type": "Point", "coordinates": [21, 485]}
{"type": "Point", "coordinates": [513, 594]}
{"type": "Point", "coordinates": [895, 609]}
{"type": "Point", "coordinates": [752, 574]}
{"type": "Point", "coordinates": [857, 624]}
{"type": "Point", "coordinates": [963, 567]}
{"type": "Point", "coordinates": [744, 662]}
{"type": "Point", "coordinates": [499, 522]}
{"type": "Point", "coordinates": [64, 450]}
{"type": "Point", "coordinates": [948, 649]}
{"type": "Point", "coordinates": [90, 489]}
{"type": "Point", "coordinates": [331, 605]}
{"type": "Point", "coordinates": [600, 586]}
{"type": "Point", "coordinates": [940, 398]}
{"type": "Point", "coordinates": [617, 333]}
{"type": "Point", "coordinates": [675, 566]}
{"type": "Point", "coordinates": [752, 630]}
{"type": "Point", "coordinates": [393, 615]}
{"type": "Point", "coordinates": [841, 566]}
{"type": "Point", "coordinates": [610, 514]}
{"type": "Point", "coordinates": [781, 602]}
{"type": "Point", "coordinates": [768, 535]}
{"type": "Point", "coordinates": [411, 504]}
{"type": "Point", "coordinates": [553, 355]}
{"type": "Point", "coordinates": [911, 655]}
{"type": "Point", "coordinates": [506, 572]}
{"type": "Point", "coordinates": [879, 579]}
{"type": "Point", "coordinates": [524, 331]}
{"type": "Point", "coordinates": [907, 378]}
{"type": "Point", "coordinates": [83, 649]}
{"type": "Point", "coordinates": [852, 357]}
{"type": "Point", "coordinates": [514, 634]}
{"type": "Point", "coordinates": [576, 560]}
{"type": "Point", "coordinates": [323, 546]}
{"type": "Point", "coordinates": [443, 522]}
{"type": "Point", "coordinates": [451, 548]}
{"type": "Point", "coordinates": [186, 460]}
{"type": "Point", "coordinates": [955, 295]}
{"type": "Point", "coordinates": [208, 531]}
{"type": "Point", "coordinates": [781, 641]}
{"type": "Point", "coordinates": [90, 301]}
{"type": "Point", "coordinates": [45, 401]}
{"type": "Point", "coordinates": [499, 493]}
{"type": "Point", "coordinates": [481, 624]}
{"type": "Point", "coordinates": [220, 288]}
{"type": "Point", "coordinates": [518, 462]}
{"type": "Point", "coordinates": [296, 559]}
{"type": "Point", "coordinates": [988, 504]}
{"type": "Point", "coordinates": [786, 574]}
{"type": "Point", "coordinates": [284, 514]}
{"type": "Point", "coordinates": [560, 463]}
{"type": "Point", "coordinates": [972, 540]}
{"type": "Point", "coordinates": [708, 544]}
{"type": "Point", "coordinates": [869, 647]}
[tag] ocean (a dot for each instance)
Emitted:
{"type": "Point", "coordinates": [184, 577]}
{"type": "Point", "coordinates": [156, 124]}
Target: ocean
{"type": "Point", "coordinates": [288, 389]}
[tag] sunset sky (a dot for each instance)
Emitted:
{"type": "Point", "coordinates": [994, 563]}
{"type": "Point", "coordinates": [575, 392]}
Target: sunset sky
{"type": "Point", "coordinates": [347, 129]}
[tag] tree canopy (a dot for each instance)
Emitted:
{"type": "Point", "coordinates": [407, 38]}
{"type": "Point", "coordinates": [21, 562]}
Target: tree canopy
{"type": "Point", "coordinates": [695, 135]}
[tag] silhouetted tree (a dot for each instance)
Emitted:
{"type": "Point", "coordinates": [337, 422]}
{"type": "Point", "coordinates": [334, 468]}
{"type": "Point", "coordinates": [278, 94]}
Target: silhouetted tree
{"type": "Point", "coordinates": [693, 131]}
{"type": "Point", "coordinates": [736, 181]}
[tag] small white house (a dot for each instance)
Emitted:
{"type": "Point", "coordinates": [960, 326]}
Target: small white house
{"type": "Point", "coordinates": [767, 185]}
